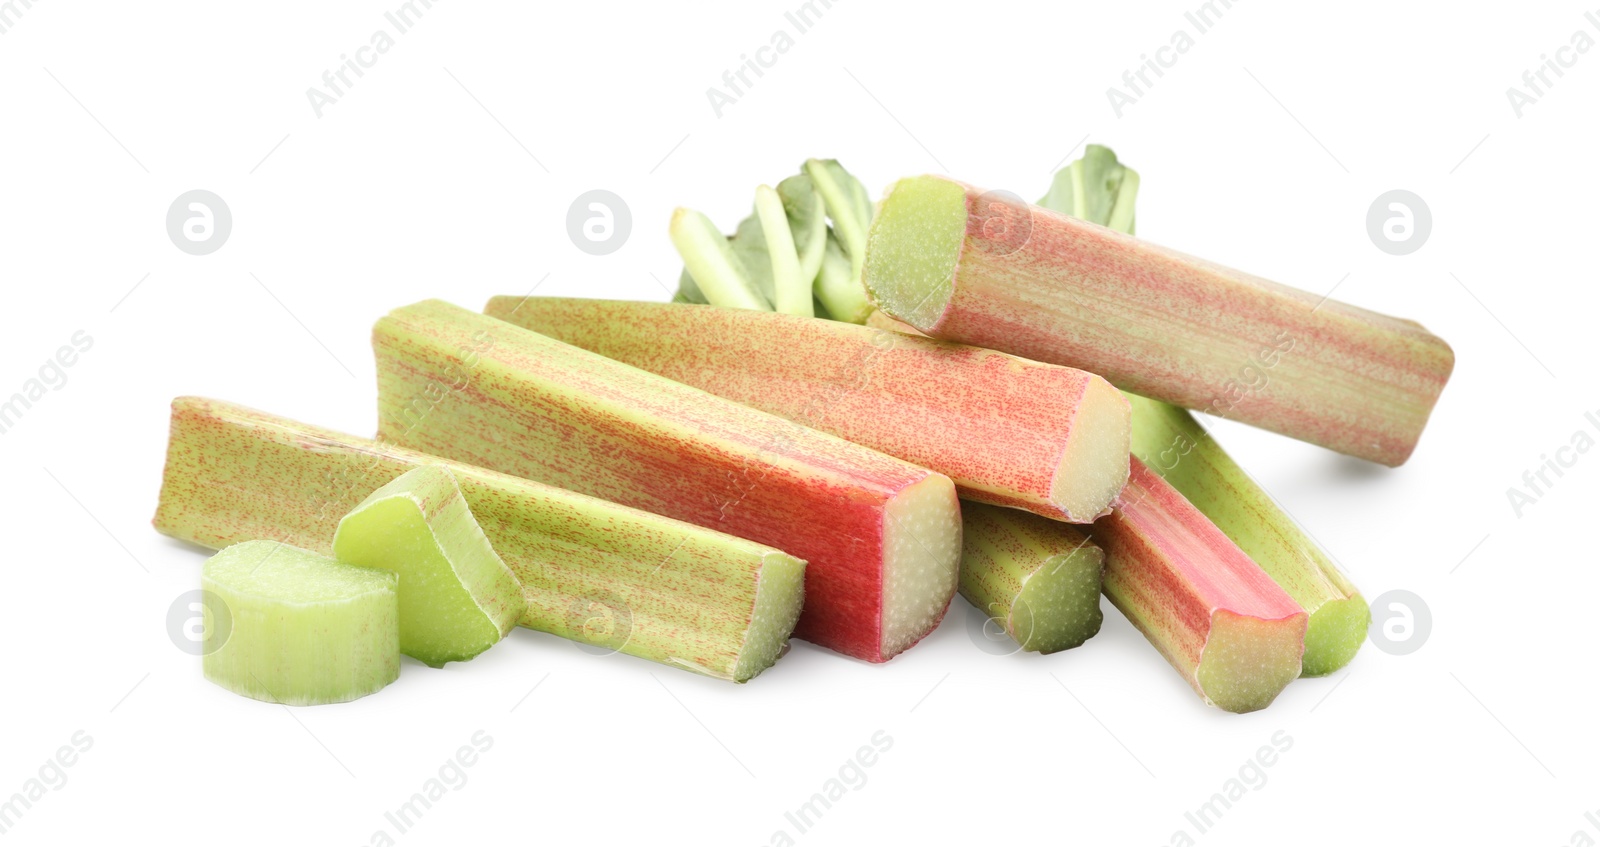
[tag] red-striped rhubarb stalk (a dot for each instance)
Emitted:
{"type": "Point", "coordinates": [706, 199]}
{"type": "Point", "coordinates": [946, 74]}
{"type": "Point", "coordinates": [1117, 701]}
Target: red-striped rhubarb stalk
{"type": "Point", "coordinates": [667, 591]}
{"type": "Point", "coordinates": [1217, 617]}
{"type": "Point", "coordinates": [989, 270]}
{"type": "Point", "coordinates": [881, 537]}
{"type": "Point", "coordinates": [1008, 431]}
{"type": "Point", "coordinates": [1173, 444]}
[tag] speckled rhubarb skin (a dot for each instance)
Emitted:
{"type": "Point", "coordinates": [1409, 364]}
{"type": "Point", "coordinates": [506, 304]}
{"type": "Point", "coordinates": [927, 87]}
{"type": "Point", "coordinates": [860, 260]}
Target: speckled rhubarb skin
{"type": "Point", "coordinates": [996, 424]}
{"type": "Point", "coordinates": [686, 593]}
{"type": "Point", "coordinates": [1174, 445]}
{"type": "Point", "coordinates": [1186, 331]}
{"type": "Point", "coordinates": [1038, 579]}
{"type": "Point", "coordinates": [1176, 576]}
{"type": "Point", "coordinates": [537, 408]}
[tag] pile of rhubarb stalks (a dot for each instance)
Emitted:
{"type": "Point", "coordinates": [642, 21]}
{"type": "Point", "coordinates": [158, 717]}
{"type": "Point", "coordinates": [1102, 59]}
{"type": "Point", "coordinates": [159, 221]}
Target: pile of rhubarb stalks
{"type": "Point", "coordinates": [852, 412]}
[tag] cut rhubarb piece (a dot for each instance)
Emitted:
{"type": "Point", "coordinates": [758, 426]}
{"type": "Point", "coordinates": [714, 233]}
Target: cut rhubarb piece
{"type": "Point", "coordinates": [1008, 431]}
{"type": "Point", "coordinates": [305, 629]}
{"type": "Point", "coordinates": [457, 598]}
{"type": "Point", "coordinates": [674, 593]}
{"type": "Point", "coordinates": [1038, 579]}
{"type": "Point", "coordinates": [989, 270]}
{"type": "Point", "coordinates": [1217, 617]}
{"type": "Point", "coordinates": [1173, 444]}
{"type": "Point", "coordinates": [881, 537]}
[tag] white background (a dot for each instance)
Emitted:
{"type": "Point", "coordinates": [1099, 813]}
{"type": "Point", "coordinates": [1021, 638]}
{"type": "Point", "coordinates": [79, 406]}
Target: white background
{"type": "Point", "coordinates": [447, 172]}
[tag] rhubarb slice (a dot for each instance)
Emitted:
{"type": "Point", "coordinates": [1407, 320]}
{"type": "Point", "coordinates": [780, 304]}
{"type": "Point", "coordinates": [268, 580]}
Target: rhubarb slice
{"type": "Point", "coordinates": [457, 599]}
{"type": "Point", "coordinates": [306, 629]}
{"type": "Point", "coordinates": [1008, 431]}
{"type": "Point", "coordinates": [1173, 444]}
{"type": "Point", "coordinates": [982, 269]}
{"type": "Point", "coordinates": [1217, 617]}
{"type": "Point", "coordinates": [882, 537]}
{"type": "Point", "coordinates": [1038, 579]}
{"type": "Point", "coordinates": [682, 595]}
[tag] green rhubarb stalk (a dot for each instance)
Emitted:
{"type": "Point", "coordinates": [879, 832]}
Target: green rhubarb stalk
{"type": "Point", "coordinates": [457, 598]}
{"type": "Point", "coordinates": [850, 210]}
{"type": "Point", "coordinates": [710, 262]}
{"type": "Point", "coordinates": [304, 629]}
{"type": "Point", "coordinates": [1038, 579]}
{"type": "Point", "coordinates": [784, 256]}
{"type": "Point", "coordinates": [839, 287]}
{"type": "Point", "coordinates": [1173, 444]}
{"type": "Point", "coordinates": [792, 293]}
{"type": "Point", "coordinates": [808, 222]}
{"type": "Point", "coordinates": [671, 592]}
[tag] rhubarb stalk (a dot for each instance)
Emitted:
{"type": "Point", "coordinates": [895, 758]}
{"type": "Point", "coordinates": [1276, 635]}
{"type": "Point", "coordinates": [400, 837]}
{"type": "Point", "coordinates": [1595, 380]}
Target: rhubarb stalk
{"type": "Point", "coordinates": [1038, 579]}
{"type": "Point", "coordinates": [1232, 633]}
{"type": "Point", "coordinates": [678, 594]}
{"type": "Point", "coordinates": [881, 536]}
{"type": "Point", "coordinates": [1008, 431]}
{"type": "Point", "coordinates": [1172, 443]}
{"type": "Point", "coordinates": [958, 263]}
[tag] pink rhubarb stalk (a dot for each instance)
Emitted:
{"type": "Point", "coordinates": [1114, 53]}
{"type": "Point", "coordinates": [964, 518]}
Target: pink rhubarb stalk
{"type": "Point", "coordinates": [1008, 431]}
{"type": "Point", "coordinates": [1221, 621]}
{"type": "Point", "coordinates": [987, 269]}
{"type": "Point", "coordinates": [881, 537]}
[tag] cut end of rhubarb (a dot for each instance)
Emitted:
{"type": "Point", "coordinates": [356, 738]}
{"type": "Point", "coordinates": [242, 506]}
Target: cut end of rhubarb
{"type": "Point", "coordinates": [1334, 634]}
{"type": "Point", "coordinates": [922, 559]}
{"type": "Point", "coordinates": [1094, 464]}
{"type": "Point", "coordinates": [457, 598]}
{"type": "Point", "coordinates": [780, 592]}
{"type": "Point", "coordinates": [1248, 660]}
{"type": "Point", "coordinates": [1059, 606]}
{"type": "Point", "coordinates": [306, 630]}
{"type": "Point", "coordinates": [914, 246]}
